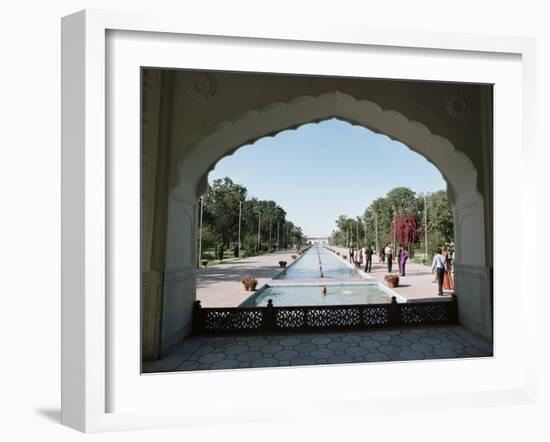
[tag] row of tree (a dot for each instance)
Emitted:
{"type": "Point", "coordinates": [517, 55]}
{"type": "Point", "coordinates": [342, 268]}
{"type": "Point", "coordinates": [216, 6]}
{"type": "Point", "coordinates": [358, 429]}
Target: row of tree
{"type": "Point", "coordinates": [263, 223]}
{"type": "Point", "coordinates": [407, 211]}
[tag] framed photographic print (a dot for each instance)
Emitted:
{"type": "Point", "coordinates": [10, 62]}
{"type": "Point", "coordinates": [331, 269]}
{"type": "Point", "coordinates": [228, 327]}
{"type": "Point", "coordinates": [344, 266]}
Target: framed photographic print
{"type": "Point", "coordinates": [271, 217]}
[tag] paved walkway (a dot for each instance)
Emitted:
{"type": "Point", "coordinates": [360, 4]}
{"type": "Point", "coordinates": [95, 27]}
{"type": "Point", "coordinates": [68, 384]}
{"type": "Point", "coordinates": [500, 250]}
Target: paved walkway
{"type": "Point", "coordinates": [227, 352]}
{"type": "Point", "coordinates": [416, 285]}
{"type": "Point", "coordinates": [220, 286]}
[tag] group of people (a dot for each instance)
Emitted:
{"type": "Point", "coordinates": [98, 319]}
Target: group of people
{"type": "Point", "coordinates": [441, 265]}
{"type": "Point", "coordinates": [363, 257]}
{"type": "Point", "coordinates": [386, 255]}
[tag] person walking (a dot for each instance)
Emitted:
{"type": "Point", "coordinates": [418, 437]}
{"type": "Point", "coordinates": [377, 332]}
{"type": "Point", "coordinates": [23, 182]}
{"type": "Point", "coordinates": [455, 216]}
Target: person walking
{"type": "Point", "coordinates": [439, 265]}
{"type": "Point", "coordinates": [388, 252]}
{"type": "Point", "coordinates": [403, 255]}
{"type": "Point", "coordinates": [351, 255]}
{"type": "Point", "coordinates": [368, 258]}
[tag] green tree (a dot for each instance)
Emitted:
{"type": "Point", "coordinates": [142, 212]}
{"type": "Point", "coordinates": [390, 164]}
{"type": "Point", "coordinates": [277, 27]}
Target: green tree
{"type": "Point", "coordinates": [221, 210]}
{"type": "Point", "coordinates": [398, 202]}
{"type": "Point", "coordinates": [440, 216]}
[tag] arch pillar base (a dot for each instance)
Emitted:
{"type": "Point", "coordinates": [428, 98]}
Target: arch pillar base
{"type": "Point", "coordinates": [178, 297]}
{"type": "Point", "coordinates": [473, 290]}
{"type": "Point", "coordinates": [151, 316]}
{"type": "Point", "coordinates": [179, 280]}
{"type": "Point", "coordinates": [472, 276]}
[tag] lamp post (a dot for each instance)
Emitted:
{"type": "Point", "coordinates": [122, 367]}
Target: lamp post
{"type": "Point", "coordinates": [239, 245]}
{"type": "Point", "coordinates": [376, 231]}
{"type": "Point", "coordinates": [425, 227]}
{"type": "Point", "coordinates": [394, 232]}
{"type": "Point", "coordinates": [259, 224]}
{"type": "Point", "coordinates": [365, 221]}
{"type": "Point", "coordinates": [200, 231]}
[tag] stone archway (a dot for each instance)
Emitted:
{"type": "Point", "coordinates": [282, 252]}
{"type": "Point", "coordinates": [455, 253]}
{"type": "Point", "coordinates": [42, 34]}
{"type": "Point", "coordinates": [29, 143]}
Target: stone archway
{"type": "Point", "coordinates": [472, 288]}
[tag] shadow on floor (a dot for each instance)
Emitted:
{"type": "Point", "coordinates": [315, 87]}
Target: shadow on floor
{"type": "Point", "coordinates": [51, 414]}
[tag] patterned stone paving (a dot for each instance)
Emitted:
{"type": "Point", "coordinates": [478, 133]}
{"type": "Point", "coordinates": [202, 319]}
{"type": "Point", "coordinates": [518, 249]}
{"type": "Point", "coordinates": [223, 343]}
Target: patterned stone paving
{"type": "Point", "coordinates": [228, 352]}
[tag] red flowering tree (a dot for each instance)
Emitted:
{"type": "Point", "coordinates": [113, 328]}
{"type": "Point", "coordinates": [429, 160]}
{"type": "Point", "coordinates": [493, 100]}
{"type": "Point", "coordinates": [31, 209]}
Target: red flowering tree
{"type": "Point", "coordinates": [406, 230]}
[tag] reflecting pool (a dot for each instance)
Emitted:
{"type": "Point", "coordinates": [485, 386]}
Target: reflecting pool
{"type": "Point", "coordinates": [308, 266]}
{"type": "Point", "coordinates": [336, 294]}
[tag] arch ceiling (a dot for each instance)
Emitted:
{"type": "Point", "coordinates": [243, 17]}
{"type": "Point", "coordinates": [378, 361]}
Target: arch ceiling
{"type": "Point", "coordinates": [456, 168]}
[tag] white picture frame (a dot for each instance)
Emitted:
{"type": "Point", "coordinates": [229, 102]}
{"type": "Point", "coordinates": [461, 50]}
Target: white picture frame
{"type": "Point", "coordinates": [88, 318]}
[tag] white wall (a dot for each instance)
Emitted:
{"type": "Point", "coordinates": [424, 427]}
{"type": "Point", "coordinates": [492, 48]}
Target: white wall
{"type": "Point", "coordinates": [29, 225]}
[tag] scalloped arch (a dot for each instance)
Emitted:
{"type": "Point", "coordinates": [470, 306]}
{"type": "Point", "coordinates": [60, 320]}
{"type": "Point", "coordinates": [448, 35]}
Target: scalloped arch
{"type": "Point", "coordinates": [456, 168]}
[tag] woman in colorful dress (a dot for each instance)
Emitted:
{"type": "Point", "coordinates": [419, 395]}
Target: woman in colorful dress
{"type": "Point", "coordinates": [403, 255]}
{"type": "Point", "coordinates": [448, 282]}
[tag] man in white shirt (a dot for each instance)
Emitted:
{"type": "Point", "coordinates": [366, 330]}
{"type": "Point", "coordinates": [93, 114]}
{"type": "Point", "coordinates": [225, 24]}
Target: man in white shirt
{"type": "Point", "coordinates": [389, 255]}
{"type": "Point", "coordinates": [439, 265]}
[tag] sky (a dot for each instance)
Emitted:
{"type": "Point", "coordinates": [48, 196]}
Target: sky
{"type": "Point", "coordinates": [323, 170]}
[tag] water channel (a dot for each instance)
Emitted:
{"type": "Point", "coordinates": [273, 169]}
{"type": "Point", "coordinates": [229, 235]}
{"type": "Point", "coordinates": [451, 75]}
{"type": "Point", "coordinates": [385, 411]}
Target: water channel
{"type": "Point", "coordinates": [319, 277]}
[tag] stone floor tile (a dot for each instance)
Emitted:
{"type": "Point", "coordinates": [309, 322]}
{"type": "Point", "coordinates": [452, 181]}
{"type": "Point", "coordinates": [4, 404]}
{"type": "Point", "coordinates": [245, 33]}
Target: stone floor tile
{"type": "Point", "coordinates": [351, 339]}
{"type": "Point", "coordinates": [445, 353]}
{"type": "Point", "coordinates": [430, 340]}
{"type": "Point", "coordinates": [337, 345]}
{"type": "Point", "coordinates": [322, 353]}
{"type": "Point", "coordinates": [289, 341]}
{"type": "Point", "coordinates": [264, 362]}
{"type": "Point", "coordinates": [245, 338]}
{"type": "Point", "coordinates": [474, 351]}
{"type": "Point", "coordinates": [421, 347]}
{"type": "Point", "coordinates": [389, 349]}
{"type": "Point", "coordinates": [225, 364]}
{"type": "Point", "coordinates": [236, 349]}
{"type": "Point", "coordinates": [356, 351]}
{"type": "Point", "coordinates": [286, 355]}
{"type": "Point", "coordinates": [399, 341]}
{"type": "Point", "coordinates": [258, 343]}
{"type": "Point", "coordinates": [271, 348]}
{"type": "Point", "coordinates": [303, 360]}
{"type": "Point", "coordinates": [188, 365]}
{"type": "Point", "coordinates": [204, 350]}
{"type": "Point", "coordinates": [340, 359]}
{"type": "Point", "coordinates": [451, 345]}
{"type": "Point", "coordinates": [305, 347]}
{"type": "Point", "coordinates": [456, 338]}
{"type": "Point", "coordinates": [226, 352]}
{"type": "Point", "coordinates": [250, 356]}
{"type": "Point", "coordinates": [437, 333]}
{"type": "Point", "coordinates": [380, 337]}
{"type": "Point", "coordinates": [409, 355]}
{"type": "Point", "coordinates": [211, 358]}
{"type": "Point", "coordinates": [321, 340]}
{"type": "Point", "coordinates": [369, 343]}
{"type": "Point", "coordinates": [375, 357]}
